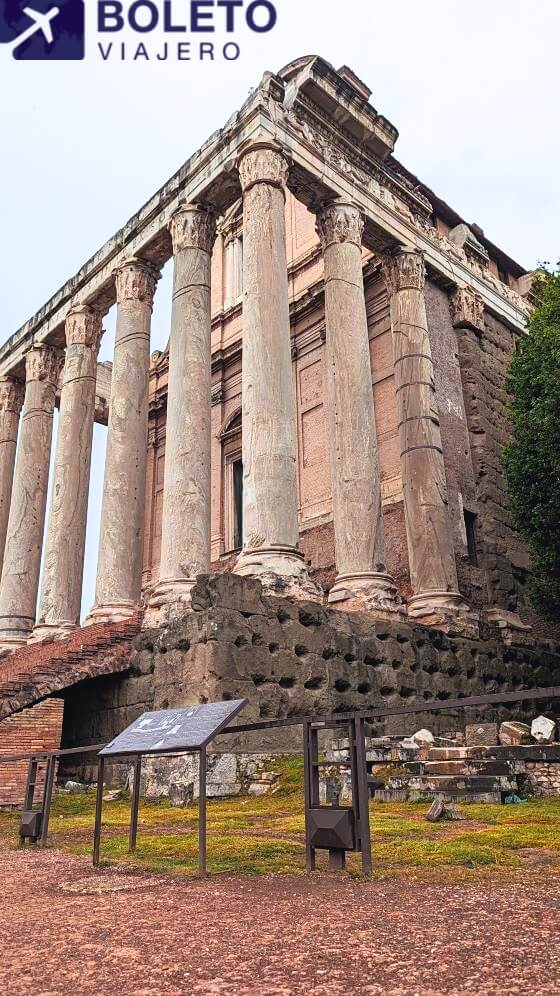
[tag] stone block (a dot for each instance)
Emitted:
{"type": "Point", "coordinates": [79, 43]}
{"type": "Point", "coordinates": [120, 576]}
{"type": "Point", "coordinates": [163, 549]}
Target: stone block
{"type": "Point", "coordinates": [481, 734]}
{"type": "Point", "coordinates": [513, 734]}
{"type": "Point", "coordinates": [228, 625]}
{"type": "Point", "coordinates": [229, 591]}
{"type": "Point", "coordinates": [543, 730]}
{"type": "Point", "coordinates": [142, 663]}
{"type": "Point", "coordinates": [423, 738]}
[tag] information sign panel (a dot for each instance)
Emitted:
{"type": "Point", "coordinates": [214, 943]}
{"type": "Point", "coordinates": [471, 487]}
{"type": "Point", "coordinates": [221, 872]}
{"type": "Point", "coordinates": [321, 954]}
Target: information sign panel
{"type": "Point", "coordinates": [171, 730]}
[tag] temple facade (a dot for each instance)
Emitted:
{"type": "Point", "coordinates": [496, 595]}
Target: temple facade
{"type": "Point", "coordinates": [329, 414]}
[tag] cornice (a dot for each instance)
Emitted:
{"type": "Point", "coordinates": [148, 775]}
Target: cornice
{"type": "Point", "coordinates": [310, 123]}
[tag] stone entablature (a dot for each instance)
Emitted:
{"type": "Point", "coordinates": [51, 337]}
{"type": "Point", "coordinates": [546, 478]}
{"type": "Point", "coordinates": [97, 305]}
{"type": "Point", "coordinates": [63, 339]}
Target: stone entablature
{"type": "Point", "coordinates": [307, 135]}
{"type": "Point", "coordinates": [282, 113]}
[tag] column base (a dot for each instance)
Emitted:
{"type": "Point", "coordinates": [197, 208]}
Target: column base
{"type": "Point", "coordinates": [111, 612]}
{"type": "Point", "coordinates": [369, 591]}
{"type": "Point", "coordinates": [281, 570]}
{"type": "Point", "coordinates": [15, 636]}
{"type": "Point", "coordinates": [170, 599]}
{"type": "Point", "coordinates": [8, 646]}
{"type": "Point", "coordinates": [445, 610]}
{"type": "Point", "coordinates": [51, 632]}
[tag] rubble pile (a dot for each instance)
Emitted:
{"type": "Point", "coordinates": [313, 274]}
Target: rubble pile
{"type": "Point", "coordinates": [485, 763]}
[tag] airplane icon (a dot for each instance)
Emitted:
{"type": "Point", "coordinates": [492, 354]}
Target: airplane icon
{"type": "Point", "coordinates": [41, 22]}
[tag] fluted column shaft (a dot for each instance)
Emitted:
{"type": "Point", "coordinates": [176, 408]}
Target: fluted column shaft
{"type": "Point", "coordinates": [358, 522]}
{"type": "Point", "coordinates": [270, 501]}
{"type": "Point", "coordinates": [61, 590]}
{"type": "Point", "coordinates": [119, 569]}
{"type": "Point", "coordinates": [22, 554]}
{"type": "Point", "coordinates": [11, 400]}
{"type": "Point", "coordinates": [185, 540]}
{"type": "Point", "coordinates": [433, 573]}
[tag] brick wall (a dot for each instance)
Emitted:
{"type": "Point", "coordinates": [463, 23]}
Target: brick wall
{"type": "Point", "coordinates": [36, 729]}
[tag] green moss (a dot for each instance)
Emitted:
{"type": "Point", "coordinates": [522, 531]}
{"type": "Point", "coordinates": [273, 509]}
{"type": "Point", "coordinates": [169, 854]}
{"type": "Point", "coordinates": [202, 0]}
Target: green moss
{"type": "Point", "coordinates": [254, 835]}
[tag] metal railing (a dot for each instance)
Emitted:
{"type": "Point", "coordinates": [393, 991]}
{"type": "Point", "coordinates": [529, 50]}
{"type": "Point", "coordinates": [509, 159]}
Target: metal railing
{"type": "Point", "coordinates": [327, 720]}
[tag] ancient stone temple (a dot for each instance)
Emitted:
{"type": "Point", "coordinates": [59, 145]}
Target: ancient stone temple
{"type": "Point", "coordinates": [327, 420]}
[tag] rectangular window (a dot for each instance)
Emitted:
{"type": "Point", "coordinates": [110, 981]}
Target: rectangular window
{"type": "Point", "coordinates": [470, 529]}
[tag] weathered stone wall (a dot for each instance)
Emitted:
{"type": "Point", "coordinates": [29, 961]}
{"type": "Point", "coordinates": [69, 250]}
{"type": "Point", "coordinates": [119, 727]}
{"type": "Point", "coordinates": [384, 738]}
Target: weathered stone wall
{"type": "Point", "coordinates": [484, 361]}
{"type": "Point", "coordinates": [177, 776]}
{"type": "Point", "coordinates": [293, 659]}
{"type": "Point", "coordinates": [543, 779]}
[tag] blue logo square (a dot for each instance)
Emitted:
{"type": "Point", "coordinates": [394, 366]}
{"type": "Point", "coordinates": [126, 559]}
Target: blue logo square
{"type": "Point", "coordinates": [43, 30]}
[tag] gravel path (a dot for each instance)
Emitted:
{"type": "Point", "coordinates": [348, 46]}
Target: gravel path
{"type": "Point", "coordinates": [67, 929]}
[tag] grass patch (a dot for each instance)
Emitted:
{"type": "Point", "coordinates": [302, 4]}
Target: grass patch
{"type": "Point", "coordinates": [255, 835]}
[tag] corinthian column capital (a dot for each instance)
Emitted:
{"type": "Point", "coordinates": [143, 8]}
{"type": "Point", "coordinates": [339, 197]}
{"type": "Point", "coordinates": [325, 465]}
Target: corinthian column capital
{"type": "Point", "coordinates": [44, 363]}
{"type": "Point", "coordinates": [262, 164]}
{"type": "Point", "coordinates": [340, 221]}
{"type": "Point", "coordinates": [11, 395]}
{"type": "Point", "coordinates": [193, 226]}
{"type": "Point", "coordinates": [467, 309]}
{"type": "Point", "coordinates": [83, 327]}
{"type": "Point", "coordinates": [135, 280]}
{"type": "Point", "coordinates": [404, 270]}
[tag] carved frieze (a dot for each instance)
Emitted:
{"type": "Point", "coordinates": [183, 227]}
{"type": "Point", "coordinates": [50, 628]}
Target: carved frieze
{"type": "Point", "coordinates": [404, 271]}
{"type": "Point", "coordinates": [193, 226]}
{"type": "Point", "coordinates": [44, 363]}
{"type": "Point", "coordinates": [83, 327]}
{"type": "Point", "coordinates": [390, 188]}
{"type": "Point", "coordinates": [467, 308]}
{"type": "Point", "coordinates": [376, 177]}
{"type": "Point", "coordinates": [135, 280]}
{"type": "Point", "coordinates": [11, 395]}
{"type": "Point", "coordinates": [262, 164]}
{"type": "Point", "coordinates": [340, 222]}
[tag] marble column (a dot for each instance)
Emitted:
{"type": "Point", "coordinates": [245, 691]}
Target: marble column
{"type": "Point", "coordinates": [185, 540]}
{"type": "Point", "coordinates": [433, 573]}
{"type": "Point", "coordinates": [24, 540]}
{"type": "Point", "coordinates": [270, 499]}
{"type": "Point", "coordinates": [362, 578]}
{"type": "Point", "coordinates": [119, 569]}
{"type": "Point", "coordinates": [11, 400]}
{"type": "Point", "coordinates": [61, 590]}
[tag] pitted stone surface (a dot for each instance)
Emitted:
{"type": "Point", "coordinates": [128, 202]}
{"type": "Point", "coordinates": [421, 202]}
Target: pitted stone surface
{"type": "Point", "coordinates": [293, 659]}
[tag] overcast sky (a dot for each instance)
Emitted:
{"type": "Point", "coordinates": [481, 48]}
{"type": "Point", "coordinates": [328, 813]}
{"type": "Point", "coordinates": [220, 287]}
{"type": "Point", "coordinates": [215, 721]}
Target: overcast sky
{"type": "Point", "coordinates": [471, 85]}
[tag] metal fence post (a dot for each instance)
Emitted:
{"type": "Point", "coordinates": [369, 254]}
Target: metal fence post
{"type": "Point", "coordinates": [98, 810]}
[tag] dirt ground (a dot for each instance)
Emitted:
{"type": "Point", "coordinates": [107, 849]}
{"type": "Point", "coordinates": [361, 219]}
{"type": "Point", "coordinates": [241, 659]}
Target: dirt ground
{"type": "Point", "coordinates": [66, 928]}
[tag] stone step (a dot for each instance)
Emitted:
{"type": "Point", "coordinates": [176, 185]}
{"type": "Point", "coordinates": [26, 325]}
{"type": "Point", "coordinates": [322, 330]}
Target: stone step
{"type": "Point", "coordinates": [523, 752]}
{"type": "Point", "coordinates": [468, 766]}
{"type": "Point", "coordinates": [418, 795]}
{"type": "Point", "coordinates": [474, 783]}
{"type": "Point", "coordinates": [448, 753]}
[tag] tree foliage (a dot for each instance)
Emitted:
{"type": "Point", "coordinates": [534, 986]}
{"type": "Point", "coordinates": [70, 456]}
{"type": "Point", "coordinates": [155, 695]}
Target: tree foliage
{"type": "Point", "coordinates": [532, 459]}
